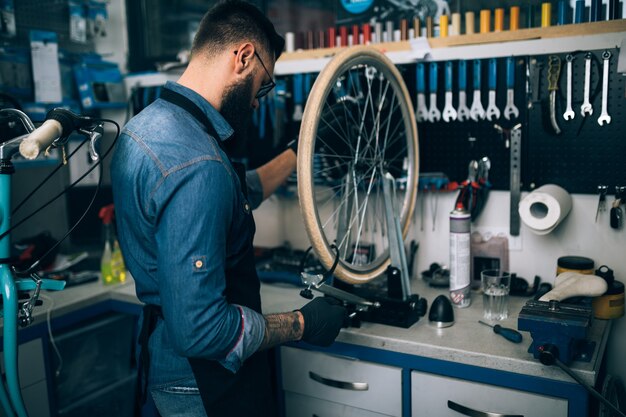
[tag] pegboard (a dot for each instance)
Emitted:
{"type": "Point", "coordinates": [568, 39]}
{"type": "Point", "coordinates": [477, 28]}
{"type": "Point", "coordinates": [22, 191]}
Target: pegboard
{"type": "Point", "coordinates": [50, 15]}
{"type": "Point", "coordinates": [449, 147]}
{"type": "Point", "coordinates": [583, 156]}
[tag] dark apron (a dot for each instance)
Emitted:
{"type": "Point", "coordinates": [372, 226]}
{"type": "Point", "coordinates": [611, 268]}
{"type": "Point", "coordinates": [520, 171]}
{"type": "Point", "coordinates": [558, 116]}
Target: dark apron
{"type": "Point", "coordinates": [249, 391]}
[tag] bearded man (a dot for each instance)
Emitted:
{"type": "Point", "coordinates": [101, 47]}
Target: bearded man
{"type": "Point", "coordinates": [185, 225]}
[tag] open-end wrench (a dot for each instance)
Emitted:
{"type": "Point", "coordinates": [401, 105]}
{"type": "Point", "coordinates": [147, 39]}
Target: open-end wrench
{"type": "Point", "coordinates": [421, 114]}
{"type": "Point", "coordinates": [463, 112]}
{"type": "Point", "coordinates": [510, 109]}
{"type": "Point", "coordinates": [493, 113]}
{"type": "Point", "coordinates": [434, 115]}
{"type": "Point", "coordinates": [569, 112]}
{"type": "Point", "coordinates": [585, 108]}
{"type": "Point", "coordinates": [477, 111]}
{"type": "Point", "coordinates": [604, 115]}
{"type": "Point", "coordinates": [449, 114]}
{"type": "Point", "coordinates": [554, 70]}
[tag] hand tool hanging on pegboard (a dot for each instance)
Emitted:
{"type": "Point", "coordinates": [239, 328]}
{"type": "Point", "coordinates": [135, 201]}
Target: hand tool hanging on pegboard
{"type": "Point", "coordinates": [474, 191]}
{"type": "Point", "coordinates": [449, 114]}
{"type": "Point", "coordinates": [421, 113]}
{"type": "Point", "coordinates": [298, 97]}
{"type": "Point", "coordinates": [463, 112]}
{"type": "Point", "coordinates": [510, 110]}
{"type": "Point", "coordinates": [477, 111]}
{"type": "Point", "coordinates": [554, 70]}
{"type": "Point", "coordinates": [434, 115]}
{"type": "Point", "coordinates": [569, 112]}
{"type": "Point", "coordinates": [604, 114]}
{"type": "Point", "coordinates": [493, 113]}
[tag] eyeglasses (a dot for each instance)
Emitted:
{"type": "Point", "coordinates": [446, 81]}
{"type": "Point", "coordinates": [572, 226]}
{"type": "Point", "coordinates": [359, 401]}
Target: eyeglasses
{"type": "Point", "coordinates": [268, 86]}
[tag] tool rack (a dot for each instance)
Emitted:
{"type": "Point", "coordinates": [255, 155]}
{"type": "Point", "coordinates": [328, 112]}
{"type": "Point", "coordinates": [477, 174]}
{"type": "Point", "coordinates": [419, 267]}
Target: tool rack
{"type": "Point", "coordinates": [584, 155]}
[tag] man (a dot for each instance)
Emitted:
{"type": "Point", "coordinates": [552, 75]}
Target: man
{"type": "Point", "coordinates": [184, 218]}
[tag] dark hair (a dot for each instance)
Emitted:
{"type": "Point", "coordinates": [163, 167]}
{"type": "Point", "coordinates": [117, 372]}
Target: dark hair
{"type": "Point", "coordinates": [234, 21]}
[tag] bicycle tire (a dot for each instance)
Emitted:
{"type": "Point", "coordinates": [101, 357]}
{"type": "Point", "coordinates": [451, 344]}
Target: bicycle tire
{"type": "Point", "coordinates": [367, 63]}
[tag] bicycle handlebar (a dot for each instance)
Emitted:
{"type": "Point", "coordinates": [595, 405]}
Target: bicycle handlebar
{"type": "Point", "coordinates": [59, 124]}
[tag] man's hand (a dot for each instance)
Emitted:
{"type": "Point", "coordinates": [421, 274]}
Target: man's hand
{"type": "Point", "coordinates": [323, 318]}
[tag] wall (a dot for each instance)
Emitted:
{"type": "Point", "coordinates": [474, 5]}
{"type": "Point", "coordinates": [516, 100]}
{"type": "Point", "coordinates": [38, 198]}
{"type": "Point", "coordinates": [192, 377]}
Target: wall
{"type": "Point", "coordinates": [278, 220]}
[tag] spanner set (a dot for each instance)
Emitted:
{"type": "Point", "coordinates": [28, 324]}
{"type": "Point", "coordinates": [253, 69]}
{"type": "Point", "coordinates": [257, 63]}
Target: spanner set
{"type": "Point", "coordinates": [579, 92]}
{"type": "Point", "coordinates": [464, 111]}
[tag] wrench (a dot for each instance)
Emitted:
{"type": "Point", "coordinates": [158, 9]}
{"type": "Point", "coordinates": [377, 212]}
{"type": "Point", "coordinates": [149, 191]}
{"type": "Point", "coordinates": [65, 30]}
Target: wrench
{"type": "Point", "coordinates": [569, 113]}
{"type": "Point", "coordinates": [449, 113]}
{"type": "Point", "coordinates": [477, 111]}
{"type": "Point", "coordinates": [421, 114]}
{"type": "Point", "coordinates": [510, 109]}
{"type": "Point", "coordinates": [463, 112]}
{"type": "Point", "coordinates": [585, 108]}
{"type": "Point", "coordinates": [492, 110]}
{"type": "Point", "coordinates": [604, 115]}
{"type": "Point", "coordinates": [434, 115]}
{"type": "Point", "coordinates": [554, 70]}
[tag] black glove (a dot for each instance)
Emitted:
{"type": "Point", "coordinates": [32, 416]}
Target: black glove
{"type": "Point", "coordinates": [323, 318]}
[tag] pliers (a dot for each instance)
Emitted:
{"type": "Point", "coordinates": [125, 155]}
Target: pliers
{"type": "Point", "coordinates": [468, 189]}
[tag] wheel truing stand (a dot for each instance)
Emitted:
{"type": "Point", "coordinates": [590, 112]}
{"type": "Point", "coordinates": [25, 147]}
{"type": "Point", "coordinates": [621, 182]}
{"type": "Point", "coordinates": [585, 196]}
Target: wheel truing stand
{"type": "Point", "coordinates": [398, 307]}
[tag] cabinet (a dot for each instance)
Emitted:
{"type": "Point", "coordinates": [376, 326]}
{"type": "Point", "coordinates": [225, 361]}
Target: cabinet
{"type": "Point", "coordinates": [434, 395]}
{"type": "Point", "coordinates": [349, 380]}
{"type": "Point", "coordinates": [324, 385]}
{"type": "Point", "coordinates": [32, 373]}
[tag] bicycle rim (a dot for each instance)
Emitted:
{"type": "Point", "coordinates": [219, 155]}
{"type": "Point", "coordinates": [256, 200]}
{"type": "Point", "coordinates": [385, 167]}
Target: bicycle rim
{"type": "Point", "coordinates": [357, 125]}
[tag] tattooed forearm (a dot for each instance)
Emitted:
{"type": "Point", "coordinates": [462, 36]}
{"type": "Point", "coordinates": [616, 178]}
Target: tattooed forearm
{"type": "Point", "coordinates": [281, 328]}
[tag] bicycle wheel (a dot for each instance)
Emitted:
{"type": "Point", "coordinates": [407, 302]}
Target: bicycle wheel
{"type": "Point", "coordinates": [357, 125]}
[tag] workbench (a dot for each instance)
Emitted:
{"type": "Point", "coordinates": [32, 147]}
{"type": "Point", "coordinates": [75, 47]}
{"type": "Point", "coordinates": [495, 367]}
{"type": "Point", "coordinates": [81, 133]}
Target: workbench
{"type": "Point", "coordinates": [416, 359]}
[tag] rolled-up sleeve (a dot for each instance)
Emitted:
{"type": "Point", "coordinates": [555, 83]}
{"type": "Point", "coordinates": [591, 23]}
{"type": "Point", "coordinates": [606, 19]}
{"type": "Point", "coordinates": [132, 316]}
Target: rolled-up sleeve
{"type": "Point", "coordinates": [194, 209]}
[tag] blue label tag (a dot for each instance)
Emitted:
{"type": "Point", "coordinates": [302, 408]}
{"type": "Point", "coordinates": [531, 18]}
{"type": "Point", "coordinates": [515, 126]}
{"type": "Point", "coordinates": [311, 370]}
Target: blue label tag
{"type": "Point", "coordinates": [356, 6]}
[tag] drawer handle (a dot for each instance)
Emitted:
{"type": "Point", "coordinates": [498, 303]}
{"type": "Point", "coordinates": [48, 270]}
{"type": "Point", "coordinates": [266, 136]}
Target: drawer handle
{"type": "Point", "coordinates": [353, 386]}
{"type": "Point", "coordinates": [475, 413]}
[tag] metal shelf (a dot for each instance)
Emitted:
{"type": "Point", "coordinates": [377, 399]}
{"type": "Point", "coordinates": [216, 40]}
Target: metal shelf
{"type": "Point", "coordinates": [538, 41]}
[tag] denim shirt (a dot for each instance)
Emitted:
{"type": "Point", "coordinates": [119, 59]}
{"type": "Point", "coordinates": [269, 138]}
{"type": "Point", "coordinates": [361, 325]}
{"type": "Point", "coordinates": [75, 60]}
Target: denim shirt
{"type": "Point", "coordinates": [180, 218]}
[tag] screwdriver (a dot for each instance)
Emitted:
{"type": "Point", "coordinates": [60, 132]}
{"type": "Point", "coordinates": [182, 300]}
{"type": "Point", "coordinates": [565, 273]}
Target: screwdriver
{"type": "Point", "coordinates": [509, 334]}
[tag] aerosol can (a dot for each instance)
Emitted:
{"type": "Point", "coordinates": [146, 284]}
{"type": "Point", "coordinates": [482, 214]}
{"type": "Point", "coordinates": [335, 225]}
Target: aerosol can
{"type": "Point", "coordinates": [112, 263]}
{"type": "Point", "coordinates": [460, 257]}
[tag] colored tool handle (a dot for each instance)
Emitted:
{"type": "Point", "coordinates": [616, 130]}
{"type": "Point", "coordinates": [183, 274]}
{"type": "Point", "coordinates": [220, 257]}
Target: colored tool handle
{"type": "Point", "coordinates": [298, 89]}
{"type": "Point", "coordinates": [421, 78]}
{"type": "Point", "coordinates": [462, 75]}
{"type": "Point", "coordinates": [477, 69]}
{"type": "Point", "coordinates": [307, 84]}
{"type": "Point", "coordinates": [579, 12]}
{"type": "Point", "coordinates": [492, 73]}
{"type": "Point", "coordinates": [432, 79]}
{"type": "Point", "coordinates": [510, 72]}
{"type": "Point", "coordinates": [595, 10]}
{"type": "Point", "coordinates": [509, 334]}
{"type": "Point", "coordinates": [562, 13]}
{"type": "Point", "coordinates": [448, 75]}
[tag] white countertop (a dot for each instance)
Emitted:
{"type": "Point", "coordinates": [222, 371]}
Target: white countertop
{"type": "Point", "coordinates": [466, 342]}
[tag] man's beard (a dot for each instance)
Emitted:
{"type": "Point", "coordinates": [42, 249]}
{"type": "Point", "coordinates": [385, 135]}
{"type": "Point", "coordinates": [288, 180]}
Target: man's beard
{"type": "Point", "coordinates": [237, 111]}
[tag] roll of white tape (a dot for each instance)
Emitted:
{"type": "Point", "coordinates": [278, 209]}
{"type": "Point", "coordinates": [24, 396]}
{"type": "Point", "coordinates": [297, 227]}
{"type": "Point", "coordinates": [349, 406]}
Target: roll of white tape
{"type": "Point", "coordinates": [543, 209]}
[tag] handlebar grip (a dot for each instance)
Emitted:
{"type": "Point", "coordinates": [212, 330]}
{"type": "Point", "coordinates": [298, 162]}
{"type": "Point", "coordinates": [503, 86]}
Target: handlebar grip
{"type": "Point", "coordinates": [40, 139]}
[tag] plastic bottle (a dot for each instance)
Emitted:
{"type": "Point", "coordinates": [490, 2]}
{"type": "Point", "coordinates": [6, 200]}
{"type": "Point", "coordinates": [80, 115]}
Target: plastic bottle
{"type": "Point", "coordinates": [112, 263]}
{"type": "Point", "coordinates": [460, 257]}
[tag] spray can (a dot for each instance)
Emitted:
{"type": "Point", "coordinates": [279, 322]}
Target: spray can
{"type": "Point", "coordinates": [460, 257]}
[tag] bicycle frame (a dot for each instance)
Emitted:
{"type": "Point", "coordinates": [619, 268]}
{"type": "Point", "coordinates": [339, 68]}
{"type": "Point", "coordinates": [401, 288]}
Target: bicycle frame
{"type": "Point", "coordinates": [13, 403]}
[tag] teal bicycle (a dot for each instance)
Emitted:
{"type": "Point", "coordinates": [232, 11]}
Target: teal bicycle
{"type": "Point", "coordinates": [54, 132]}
